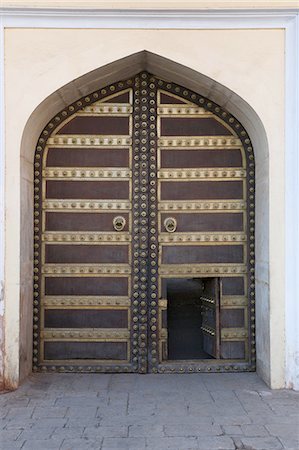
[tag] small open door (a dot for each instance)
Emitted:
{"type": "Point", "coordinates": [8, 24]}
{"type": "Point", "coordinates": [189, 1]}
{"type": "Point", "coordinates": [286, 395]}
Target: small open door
{"type": "Point", "coordinates": [210, 316]}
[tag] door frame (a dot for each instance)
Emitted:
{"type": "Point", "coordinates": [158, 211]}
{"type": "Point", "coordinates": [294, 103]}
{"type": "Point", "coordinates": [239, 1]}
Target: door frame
{"type": "Point", "coordinates": [271, 364]}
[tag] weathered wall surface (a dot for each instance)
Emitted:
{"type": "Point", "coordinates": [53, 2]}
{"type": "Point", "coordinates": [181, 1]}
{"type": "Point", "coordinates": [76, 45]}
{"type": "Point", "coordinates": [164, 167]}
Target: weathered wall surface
{"type": "Point", "coordinates": [38, 62]}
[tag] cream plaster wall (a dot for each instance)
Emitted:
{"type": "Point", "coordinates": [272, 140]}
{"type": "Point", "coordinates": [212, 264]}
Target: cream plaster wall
{"type": "Point", "coordinates": [38, 62]}
{"type": "Point", "coordinates": [157, 4]}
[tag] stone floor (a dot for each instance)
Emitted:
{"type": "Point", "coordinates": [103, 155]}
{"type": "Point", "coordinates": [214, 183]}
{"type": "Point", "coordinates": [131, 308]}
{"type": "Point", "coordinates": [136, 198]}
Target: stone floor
{"type": "Point", "coordinates": [157, 412]}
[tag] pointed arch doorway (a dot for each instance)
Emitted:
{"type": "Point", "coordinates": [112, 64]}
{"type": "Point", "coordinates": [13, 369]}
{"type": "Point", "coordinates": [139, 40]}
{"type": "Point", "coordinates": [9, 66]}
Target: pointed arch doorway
{"type": "Point", "coordinates": [144, 244]}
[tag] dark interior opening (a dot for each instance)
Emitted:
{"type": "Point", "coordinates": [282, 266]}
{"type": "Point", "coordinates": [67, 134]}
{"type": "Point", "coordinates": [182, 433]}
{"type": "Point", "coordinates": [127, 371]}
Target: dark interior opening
{"type": "Point", "coordinates": [185, 338]}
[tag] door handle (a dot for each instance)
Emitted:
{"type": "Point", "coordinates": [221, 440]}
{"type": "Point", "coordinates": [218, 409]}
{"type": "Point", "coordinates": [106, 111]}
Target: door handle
{"type": "Point", "coordinates": [170, 224]}
{"type": "Point", "coordinates": [119, 223]}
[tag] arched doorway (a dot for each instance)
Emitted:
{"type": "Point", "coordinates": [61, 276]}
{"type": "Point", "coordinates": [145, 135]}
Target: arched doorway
{"type": "Point", "coordinates": [144, 244]}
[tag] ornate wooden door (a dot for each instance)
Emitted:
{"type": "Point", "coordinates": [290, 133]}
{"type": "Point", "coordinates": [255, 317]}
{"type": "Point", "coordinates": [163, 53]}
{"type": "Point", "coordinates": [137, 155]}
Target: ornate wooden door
{"type": "Point", "coordinates": [143, 189]}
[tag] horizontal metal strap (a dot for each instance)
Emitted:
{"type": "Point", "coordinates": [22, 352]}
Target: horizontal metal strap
{"type": "Point", "coordinates": [204, 205]}
{"type": "Point", "coordinates": [90, 174]}
{"type": "Point", "coordinates": [200, 141]}
{"type": "Point", "coordinates": [206, 269]}
{"type": "Point", "coordinates": [207, 173]}
{"type": "Point", "coordinates": [86, 205]}
{"type": "Point", "coordinates": [86, 237]}
{"type": "Point", "coordinates": [233, 334]}
{"type": "Point", "coordinates": [87, 334]}
{"type": "Point", "coordinates": [233, 301]}
{"type": "Point", "coordinates": [179, 110]}
{"type": "Point", "coordinates": [86, 269]}
{"type": "Point", "coordinates": [106, 109]}
{"type": "Point", "coordinates": [93, 140]}
{"type": "Point", "coordinates": [74, 301]}
{"type": "Point", "coordinates": [202, 237]}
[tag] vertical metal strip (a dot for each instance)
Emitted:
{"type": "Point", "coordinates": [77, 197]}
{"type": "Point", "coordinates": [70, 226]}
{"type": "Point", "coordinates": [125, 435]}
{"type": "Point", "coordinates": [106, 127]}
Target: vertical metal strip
{"type": "Point", "coordinates": [153, 310]}
{"type": "Point", "coordinates": [140, 221]}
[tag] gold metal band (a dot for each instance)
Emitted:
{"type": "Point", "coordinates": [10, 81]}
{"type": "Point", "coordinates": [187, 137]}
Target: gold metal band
{"type": "Point", "coordinates": [87, 334]}
{"type": "Point", "coordinates": [219, 174]}
{"type": "Point", "coordinates": [89, 140]}
{"type": "Point", "coordinates": [73, 301]}
{"type": "Point", "coordinates": [203, 141]}
{"type": "Point", "coordinates": [202, 237]}
{"type": "Point", "coordinates": [86, 237]}
{"type": "Point", "coordinates": [89, 174]}
{"type": "Point", "coordinates": [86, 205]}
{"type": "Point", "coordinates": [205, 205]}
{"type": "Point", "coordinates": [86, 269]}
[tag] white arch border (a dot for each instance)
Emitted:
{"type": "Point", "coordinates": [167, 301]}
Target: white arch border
{"type": "Point", "coordinates": [283, 19]}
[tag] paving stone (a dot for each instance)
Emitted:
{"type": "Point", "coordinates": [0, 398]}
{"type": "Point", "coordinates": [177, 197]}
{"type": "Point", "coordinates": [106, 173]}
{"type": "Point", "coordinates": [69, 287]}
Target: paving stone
{"type": "Point", "coordinates": [81, 444]}
{"type": "Point", "coordinates": [9, 435]}
{"type": "Point", "coordinates": [21, 424]}
{"type": "Point", "coordinates": [49, 422]}
{"type": "Point", "coordinates": [231, 420]}
{"type": "Point", "coordinates": [3, 423]}
{"type": "Point", "coordinates": [289, 443]}
{"type": "Point", "coordinates": [42, 444]}
{"type": "Point", "coordinates": [19, 413]}
{"type": "Point", "coordinates": [254, 430]}
{"type": "Point", "coordinates": [53, 411]}
{"type": "Point", "coordinates": [233, 430]}
{"type": "Point", "coordinates": [41, 433]}
{"type": "Point", "coordinates": [261, 443]}
{"type": "Point", "coordinates": [82, 422]}
{"type": "Point", "coordinates": [171, 443]}
{"type": "Point", "coordinates": [146, 430]}
{"type": "Point", "coordinates": [272, 418]}
{"type": "Point", "coordinates": [3, 412]}
{"type": "Point", "coordinates": [112, 431]}
{"type": "Point", "coordinates": [84, 411]}
{"type": "Point", "coordinates": [193, 430]}
{"type": "Point", "coordinates": [215, 443]}
{"type": "Point", "coordinates": [79, 401]}
{"type": "Point", "coordinates": [13, 445]}
{"type": "Point", "coordinates": [283, 429]}
{"type": "Point", "coordinates": [67, 433]}
{"type": "Point", "coordinates": [125, 443]}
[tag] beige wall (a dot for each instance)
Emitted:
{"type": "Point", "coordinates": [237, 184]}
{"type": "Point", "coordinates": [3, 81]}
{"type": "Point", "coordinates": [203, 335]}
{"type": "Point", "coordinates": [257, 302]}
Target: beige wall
{"type": "Point", "coordinates": [145, 4]}
{"type": "Point", "coordinates": [40, 61]}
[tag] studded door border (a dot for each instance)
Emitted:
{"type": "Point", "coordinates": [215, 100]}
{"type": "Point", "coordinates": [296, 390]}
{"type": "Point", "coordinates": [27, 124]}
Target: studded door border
{"type": "Point", "coordinates": [144, 282]}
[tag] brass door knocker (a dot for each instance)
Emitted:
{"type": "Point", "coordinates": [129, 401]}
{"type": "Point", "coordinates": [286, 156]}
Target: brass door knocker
{"type": "Point", "coordinates": [170, 224]}
{"type": "Point", "coordinates": [119, 223]}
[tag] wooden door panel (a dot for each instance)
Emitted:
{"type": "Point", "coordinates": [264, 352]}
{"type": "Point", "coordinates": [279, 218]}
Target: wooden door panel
{"type": "Point", "coordinates": [88, 157]}
{"type": "Point", "coordinates": [186, 254]}
{"type": "Point", "coordinates": [90, 286]}
{"type": "Point", "coordinates": [82, 351]}
{"type": "Point", "coordinates": [205, 222]}
{"type": "Point", "coordinates": [103, 125]}
{"type": "Point", "coordinates": [86, 318]}
{"type": "Point", "coordinates": [73, 221]}
{"type": "Point", "coordinates": [189, 126]}
{"type": "Point", "coordinates": [200, 158]}
{"type": "Point", "coordinates": [210, 316]}
{"type": "Point", "coordinates": [99, 253]}
{"type": "Point", "coordinates": [88, 190]}
{"type": "Point", "coordinates": [233, 286]}
{"type": "Point", "coordinates": [201, 190]}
